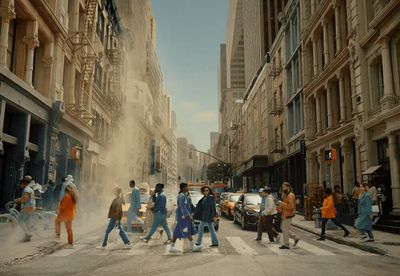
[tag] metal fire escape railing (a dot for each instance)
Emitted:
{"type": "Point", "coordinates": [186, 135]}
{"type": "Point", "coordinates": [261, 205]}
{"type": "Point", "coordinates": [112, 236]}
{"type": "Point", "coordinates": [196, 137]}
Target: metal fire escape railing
{"type": "Point", "coordinates": [84, 48]}
{"type": "Point", "coordinates": [115, 95]}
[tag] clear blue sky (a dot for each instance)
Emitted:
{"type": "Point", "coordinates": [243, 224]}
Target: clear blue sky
{"type": "Point", "coordinates": [189, 33]}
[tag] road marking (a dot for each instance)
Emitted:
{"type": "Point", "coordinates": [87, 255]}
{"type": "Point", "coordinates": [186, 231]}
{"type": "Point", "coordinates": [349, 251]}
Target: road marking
{"type": "Point", "coordinates": [178, 245]}
{"type": "Point", "coordinates": [346, 248]}
{"type": "Point", "coordinates": [241, 247]}
{"type": "Point", "coordinates": [314, 249]}
{"type": "Point", "coordinates": [68, 251]}
{"type": "Point", "coordinates": [281, 252]}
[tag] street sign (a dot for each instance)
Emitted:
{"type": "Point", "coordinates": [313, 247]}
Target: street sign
{"type": "Point", "coordinates": [330, 155]}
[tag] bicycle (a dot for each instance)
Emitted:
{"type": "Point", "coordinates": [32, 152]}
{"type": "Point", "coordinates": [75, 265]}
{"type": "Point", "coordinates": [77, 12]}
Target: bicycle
{"type": "Point", "coordinates": [41, 221]}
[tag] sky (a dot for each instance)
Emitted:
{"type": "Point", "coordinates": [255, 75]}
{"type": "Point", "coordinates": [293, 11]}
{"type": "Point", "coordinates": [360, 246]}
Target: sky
{"type": "Point", "coordinates": [189, 33]}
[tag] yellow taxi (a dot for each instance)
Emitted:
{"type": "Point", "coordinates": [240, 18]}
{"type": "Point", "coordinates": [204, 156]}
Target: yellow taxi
{"type": "Point", "coordinates": [227, 203]}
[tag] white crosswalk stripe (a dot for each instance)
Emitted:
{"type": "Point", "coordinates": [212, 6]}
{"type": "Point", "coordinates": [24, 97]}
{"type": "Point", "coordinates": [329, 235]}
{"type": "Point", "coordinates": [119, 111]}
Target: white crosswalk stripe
{"type": "Point", "coordinates": [346, 248]}
{"type": "Point", "coordinates": [314, 249]}
{"type": "Point", "coordinates": [241, 247]}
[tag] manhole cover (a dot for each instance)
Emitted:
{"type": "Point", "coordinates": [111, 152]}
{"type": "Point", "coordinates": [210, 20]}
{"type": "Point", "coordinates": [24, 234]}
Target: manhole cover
{"type": "Point", "coordinates": [392, 243]}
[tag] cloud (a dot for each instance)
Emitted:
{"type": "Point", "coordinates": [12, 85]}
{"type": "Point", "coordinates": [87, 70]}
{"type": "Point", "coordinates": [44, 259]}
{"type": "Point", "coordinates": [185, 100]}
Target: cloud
{"type": "Point", "coordinates": [205, 117]}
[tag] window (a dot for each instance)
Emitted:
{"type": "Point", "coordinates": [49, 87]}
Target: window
{"type": "Point", "coordinates": [11, 45]}
{"type": "Point", "coordinates": [98, 73]}
{"type": "Point", "coordinates": [100, 25]}
{"type": "Point", "coordinates": [379, 74]}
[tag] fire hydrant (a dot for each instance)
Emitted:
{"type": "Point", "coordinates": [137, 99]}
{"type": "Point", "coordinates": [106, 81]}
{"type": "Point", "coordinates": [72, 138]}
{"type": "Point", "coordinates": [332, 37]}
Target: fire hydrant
{"type": "Point", "coordinates": [317, 217]}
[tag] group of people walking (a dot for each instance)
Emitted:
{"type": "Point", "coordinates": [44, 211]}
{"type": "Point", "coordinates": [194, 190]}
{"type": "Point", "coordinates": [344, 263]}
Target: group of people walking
{"type": "Point", "coordinates": [157, 212]}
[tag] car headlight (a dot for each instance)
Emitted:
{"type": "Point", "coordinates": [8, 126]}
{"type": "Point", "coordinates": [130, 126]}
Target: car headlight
{"type": "Point", "coordinates": [251, 213]}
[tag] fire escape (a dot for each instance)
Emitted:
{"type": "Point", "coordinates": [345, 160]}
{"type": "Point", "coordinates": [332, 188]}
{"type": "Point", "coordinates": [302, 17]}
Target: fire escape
{"type": "Point", "coordinates": [115, 93]}
{"type": "Point", "coordinates": [84, 49]}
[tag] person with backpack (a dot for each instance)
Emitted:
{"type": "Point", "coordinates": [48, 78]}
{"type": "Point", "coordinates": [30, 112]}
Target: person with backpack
{"type": "Point", "coordinates": [66, 212]}
{"type": "Point", "coordinates": [115, 216]}
{"type": "Point", "coordinates": [184, 227]}
{"type": "Point", "coordinates": [207, 214]}
{"type": "Point", "coordinates": [328, 212]}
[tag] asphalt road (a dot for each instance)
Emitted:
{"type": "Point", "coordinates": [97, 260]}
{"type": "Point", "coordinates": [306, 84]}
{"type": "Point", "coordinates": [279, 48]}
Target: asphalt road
{"type": "Point", "coordinates": [238, 254]}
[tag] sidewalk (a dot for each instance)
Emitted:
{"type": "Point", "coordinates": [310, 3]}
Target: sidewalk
{"type": "Point", "coordinates": [13, 250]}
{"type": "Point", "coordinates": [380, 245]}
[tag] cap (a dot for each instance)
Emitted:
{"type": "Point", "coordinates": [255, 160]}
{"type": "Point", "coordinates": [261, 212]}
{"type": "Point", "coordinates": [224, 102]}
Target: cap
{"type": "Point", "coordinates": [261, 190]}
{"type": "Point", "coordinates": [267, 189]}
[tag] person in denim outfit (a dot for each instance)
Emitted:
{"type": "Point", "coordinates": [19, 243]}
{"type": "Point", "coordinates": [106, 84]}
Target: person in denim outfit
{"type": "Point", "coordinates": [134, 207]}
{"type": "Point", "coordinates": [160, 214]}
{"type": "Point", "coordinates": [208, 217]}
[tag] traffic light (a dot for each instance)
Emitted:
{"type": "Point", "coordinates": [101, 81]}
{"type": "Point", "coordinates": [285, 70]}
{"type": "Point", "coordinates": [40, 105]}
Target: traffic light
{"type": "Point", "coordinates": [330, 155]}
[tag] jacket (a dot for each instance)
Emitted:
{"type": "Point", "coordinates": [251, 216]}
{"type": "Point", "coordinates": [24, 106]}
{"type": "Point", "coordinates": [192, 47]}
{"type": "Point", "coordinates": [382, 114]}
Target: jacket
{"type": "Point", "coordinates": [115, 210]}
{"type": "Point", "coordinates": [270, 208]}
{"type": "Point", "coordinates": [135, 199]}
{"type": "Point", "coordinates": [67, 208]}
{"type": "Point", "coordinates": [183, 206]}
{"type": "Point", "coordinates": [328, 208]}
{"type": "Point", "coordinates": [364, 221]}
{"type": "Point", "coordinates": [208, 209]}
{"type": "Point", "coordinates": [160, 205]}
{"type": "Point", "coordinates": [288, 206]}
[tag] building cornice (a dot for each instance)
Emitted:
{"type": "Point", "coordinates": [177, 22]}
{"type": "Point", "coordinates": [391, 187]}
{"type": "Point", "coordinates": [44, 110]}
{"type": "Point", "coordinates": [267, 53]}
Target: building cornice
{"type": "Point", "coordinates": [382, 117]}
{"type": "Point", "coordinates": [331, 136]}
{"type": "Point", "coordinates": [315, 18]}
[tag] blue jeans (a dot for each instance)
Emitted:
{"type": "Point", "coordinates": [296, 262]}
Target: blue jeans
{"type": "Point", "coordinates": [25, 221]}
{"type": "Point", "coordinates": [159, 219]}
{"type": "Point", "coordinates": [132, 214]}
{"type": "Point", "coordinates": [110, 227]}
{"type": "Point", "coordinates": [210, 226]}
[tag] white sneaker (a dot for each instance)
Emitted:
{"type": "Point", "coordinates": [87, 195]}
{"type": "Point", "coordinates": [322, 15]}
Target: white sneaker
{"type": "Point", "coordinates": [101, 247]}
{"type": "Point", "coordinates": [196, 248]}
{"type": "Point", "coordinates": [173, 249]}
{"type": "Point", "coordinates": [127, 246]}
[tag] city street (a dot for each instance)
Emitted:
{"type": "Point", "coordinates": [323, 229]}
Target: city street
{"type": "Point", "coordinates": [238, 254]}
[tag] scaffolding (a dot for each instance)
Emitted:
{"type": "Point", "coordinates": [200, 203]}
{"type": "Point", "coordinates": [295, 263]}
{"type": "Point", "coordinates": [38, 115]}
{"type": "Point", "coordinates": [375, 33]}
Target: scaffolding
{"type": "Point", "coordinates": [83, 42]}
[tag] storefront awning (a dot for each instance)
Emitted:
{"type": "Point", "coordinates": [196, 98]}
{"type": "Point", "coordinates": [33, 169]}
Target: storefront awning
{"type": "Point", "coordinates": [373, 170]}
{"type": "Point", "coordinates": [253, 164]}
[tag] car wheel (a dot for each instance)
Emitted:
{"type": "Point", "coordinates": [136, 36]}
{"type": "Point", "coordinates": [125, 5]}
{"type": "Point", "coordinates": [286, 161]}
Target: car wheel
{"type": "Point", "coordinates": [243, 223]}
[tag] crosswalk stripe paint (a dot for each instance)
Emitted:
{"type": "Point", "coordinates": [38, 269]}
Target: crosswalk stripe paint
{"type": "Point", "coordinates": [241, 247]}
{"type": "Point", "coordinates": [281, 252]}
{"type": "Point", "coordinates": [68, 251]}
{"type": "Point", "coordinates": [346, 248]}
{"type": "Point", "coordinates": [314, 249]}
{"type": "Point", "coordinates": [178, 245]}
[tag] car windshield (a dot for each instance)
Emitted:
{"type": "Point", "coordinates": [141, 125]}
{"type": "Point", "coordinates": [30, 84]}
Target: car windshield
{"type": "Point", "coordinates": [195, 199]}
{"type": "Point", "coordinates": [234, 198]}
{"type": "Point", "coordinates": [252, 200]}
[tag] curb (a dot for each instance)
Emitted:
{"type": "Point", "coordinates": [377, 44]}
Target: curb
{"type": "Point", "coordinates": [363, 247]}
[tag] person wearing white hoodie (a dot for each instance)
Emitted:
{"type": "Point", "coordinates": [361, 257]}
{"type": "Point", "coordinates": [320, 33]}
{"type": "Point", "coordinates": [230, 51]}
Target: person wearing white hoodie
{"type": "Point", "coordinates": [267, 215]}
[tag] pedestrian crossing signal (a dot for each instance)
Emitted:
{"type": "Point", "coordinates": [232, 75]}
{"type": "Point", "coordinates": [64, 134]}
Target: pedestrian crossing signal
{"type": "Point", "coordinates": [330, 155]}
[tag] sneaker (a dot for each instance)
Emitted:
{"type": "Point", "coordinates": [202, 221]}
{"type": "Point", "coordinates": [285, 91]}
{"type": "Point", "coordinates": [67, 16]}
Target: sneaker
{"type": "Point", "coordinates": [173, 249]}
{"type": "Point", "coordinates": [295, 242]}
{"type": "Point", "coordinates": [127, 246]}
{"type": "Point", "coordinates": [169, 241]}
{"type": "Point", "coordinates": [214, 245]}
{"type": "Point", "coordinates": [370, 240]}
{"type": "Point", "coordinates": [101, 247]}
{"type": "Point", "coordinates": [146, 240]}
{"type": "Point", "coordinates": [196, 248]}
{"type": "Point", "coordinates": [321, 239]}
{"type": "Point", "coordinates": [346, 233]}
{"type": "Point", "coordinates": [284, 247]}
{"type": "Point", "coordinates": [363, 237]}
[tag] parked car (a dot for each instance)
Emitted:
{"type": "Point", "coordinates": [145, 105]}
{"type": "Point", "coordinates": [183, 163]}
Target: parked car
{"type": "Point", "coordinates": [227, 205]}
{"type": "Point", "coordinates": [246, 210]}
{"type": "Point", "coordinates": [195, 199]}
{"type": "Point", "coordinates": [223, 196]}
{"type": "Point", "coordinates": [144, 198]}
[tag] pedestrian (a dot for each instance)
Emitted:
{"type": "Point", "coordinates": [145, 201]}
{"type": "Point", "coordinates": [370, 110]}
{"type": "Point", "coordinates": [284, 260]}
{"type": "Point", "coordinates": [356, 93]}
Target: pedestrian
{"type": "Point", "coordinates": [338, 201]}
{"type": "Point", "coordinates": [27, 201]}
{"type": "Point", "coordinates": [115, 215]}
{"type": "Point", "coordinates": [206, 212]}
{"type": "Point", "coordinates": [328, 212]}
{"type": "Point", "coordinates": [66, 213]}
{"type": "Point", "coordinates": [184, 227]}
{"type": "Point", "coordinates": [373, 192]}
{"type": "Point", "coordinates": [364, 219]}
{"type": "Point", "coordinates": [69, 179]}
{"type": "Point", "coordinates": [160, 215]}
{"type": "Point", "coordinates": [149, 211]}
{"type": "Point", "coordinates": [355, 194]}
{"type": "Point", "coordinates": [287, 205]}
{"type": "Point", "coordinates": [134, 207]}
{"type": "Point", "coordinates": [267, 214]}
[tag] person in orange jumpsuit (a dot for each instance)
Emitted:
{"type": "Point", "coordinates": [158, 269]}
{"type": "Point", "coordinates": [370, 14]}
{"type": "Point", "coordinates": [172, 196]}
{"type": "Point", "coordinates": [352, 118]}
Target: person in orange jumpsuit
{"type": "Point", "coordinates": [66, 213]}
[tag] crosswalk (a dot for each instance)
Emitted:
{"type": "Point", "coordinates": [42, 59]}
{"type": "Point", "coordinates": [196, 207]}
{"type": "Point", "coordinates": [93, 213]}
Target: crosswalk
{"type": "Point", "coordinates": [233, 245]}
